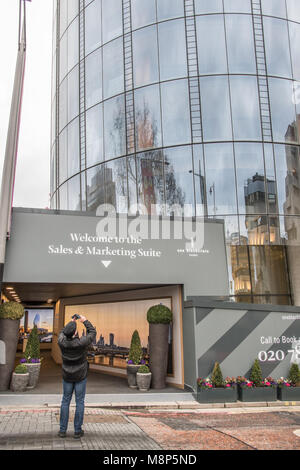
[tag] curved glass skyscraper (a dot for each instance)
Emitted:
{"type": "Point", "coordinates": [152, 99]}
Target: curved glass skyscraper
{"type": "Point", "coordinates": [186, 102]}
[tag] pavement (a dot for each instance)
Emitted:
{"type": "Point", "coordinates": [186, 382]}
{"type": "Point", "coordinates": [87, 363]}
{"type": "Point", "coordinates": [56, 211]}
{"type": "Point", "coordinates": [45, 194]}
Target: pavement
{"type": "Point", "coordinates": [158, 427]}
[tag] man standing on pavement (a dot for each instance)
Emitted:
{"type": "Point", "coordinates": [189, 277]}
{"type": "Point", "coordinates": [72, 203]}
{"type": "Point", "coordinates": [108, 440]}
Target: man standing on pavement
{"type": "Point", "coordinates": [75, 368]}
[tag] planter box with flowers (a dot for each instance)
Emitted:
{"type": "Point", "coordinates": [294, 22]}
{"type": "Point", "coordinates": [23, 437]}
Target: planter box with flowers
{"type": "Point", "coordinates": [256, 388]}
{"type": "Point", "coordinates": [215, 389]}
{"type": "Point", "coordinates": [289, 389]}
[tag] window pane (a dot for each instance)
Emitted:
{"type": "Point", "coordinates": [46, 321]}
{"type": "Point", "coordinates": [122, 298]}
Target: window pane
{"type": "Point", "coordinates": [283, 110]}
{"type": "Point", "coordinates": [113, 68]}
{"type": "Point", "coordinates": [111, 19]}
{"type": "Point", "coordinates": [271, 179]}
{"type": "Point", "coordinates": [73, 93]}
{"type": "Point", "coordinates": [175, 113]}
{"type": "Point", "coordinates": [287, 173]}
{"type": "Point", "coordinates": [150, 175]}
{"type": "Point", "coordinates": [143, 12]}
{"type": "Point", "coordinates": [274, 8]}
{"type": "Point", "coordinates": [172, 60]}
{"type": "Point", "coordinates": [294, 41]}
{"type": "Point", "coordinates": [92, 26]}
{"type": "Point", "coordinates": [277, 47]}
{"type": "Point", "coordinates": [73, 9]}
{"type": "Point", "coordinates": [145, 58]}
{"type": "Point", "coordinates": [240, 40]}
{"type": "Point", "coordinates": [216, 116]}
{"type": "Point", "coordinates": [268, 270]}
{"type": "Point", "coordinates": [63, 156]}
{"type": "Point", "coordinates": [63, 197]}
{"type": "Point", "coordinates": [73, 44]}
{"type": "Point", "coordinates": [116, 185]}
{"type": "Point", "coordinates": [220, 179]}
{"type": "Point", "coordinates": [237, 6]}
{"type": "Point", "coordinates": [63, 13]}
{"type": "Point", "coordinates": [132, 182]}
{"type": "Point", "coordinates": [63, 104]}
{"type": "Point", "coordinates": [74, 195]}
{"type": "Point", "coordinates": [245, 108]}
{"type": "Point", "coordinates": [179, 177]}
{"type": "Point", "coordinates": [208, 6]}
{"type": "Point", "coordinates": [147, 116]}
{"type": "Point", "coordinates": [211, 45]}
{"type": "Point", "coordinates": [93, 80]}
{"type": "Point", "coordinates": [114, 127]}
{"type": "Point", "coordinates": [293, 10]}
{"type": "Point", "coordinates": [95, 188]}
{"type": "Point", "coordinates": [169, 9]}
{"type": "Point", "coordinates": [94, 135]}
{"type": "Point", "coordinates": [73, 148]}
{"type": "Point", "coordinates": [250, 175]}
{"type": "Point", "coordinates": [63, 56]}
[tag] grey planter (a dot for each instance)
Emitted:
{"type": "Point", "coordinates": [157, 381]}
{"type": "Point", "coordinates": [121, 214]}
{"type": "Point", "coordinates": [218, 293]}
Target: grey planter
{"type": "Point", "coordinates": [131, 374]}
{"type": "Point", "coordinates": [288, 393]}
{"type": "Point", "coordinates": [9, 334]}
{"type": "Point", "coordinates": [257, 394]}
{"type": "Point", "coordinates": [143, 381]}
{"type": "Point", "coordinates": [216, 395]}
{"type": "Point", "coordinates": [34, 373]}
{"type": "Point", "coordinates": [158, 352]}
{"type": "Point", "coordinates": [19, 382]}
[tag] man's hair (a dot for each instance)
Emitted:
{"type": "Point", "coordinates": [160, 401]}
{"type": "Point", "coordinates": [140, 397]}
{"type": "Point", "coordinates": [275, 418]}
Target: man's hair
{"type": "Point", "coordinates": [69, 329]}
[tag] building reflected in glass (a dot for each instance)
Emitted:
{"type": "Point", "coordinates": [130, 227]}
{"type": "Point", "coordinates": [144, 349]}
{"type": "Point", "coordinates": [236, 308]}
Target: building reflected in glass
{"type": "Point", "coordinates": [186, 102]}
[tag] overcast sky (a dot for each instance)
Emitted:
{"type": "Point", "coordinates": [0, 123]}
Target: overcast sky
{"type": "Point", "coordinates": [32, 184]}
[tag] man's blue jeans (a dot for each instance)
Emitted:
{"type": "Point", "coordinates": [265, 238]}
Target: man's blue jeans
{"type": "Point", "coordinates": [68, 388]}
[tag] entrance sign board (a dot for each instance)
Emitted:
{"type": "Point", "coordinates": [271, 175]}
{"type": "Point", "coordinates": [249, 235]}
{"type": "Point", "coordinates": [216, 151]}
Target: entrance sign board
{"type": "Point", "coordinates": [52, 247]}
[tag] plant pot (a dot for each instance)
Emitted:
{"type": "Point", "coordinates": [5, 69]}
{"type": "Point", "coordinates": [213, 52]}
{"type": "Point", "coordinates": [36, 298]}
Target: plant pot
{"type": "Point", "coordinates": [143, 381]}
{"type": "Point", "coordinates": [9, 334]}
{"type": "Point", "coordinates": [257, 394]}
{"type": "Point", "coordinates": [216, 395]}
{"type": "Point", "coordinates": [131, 374]}
{"type": "Point", "coordinates": [288, 393]}
{"type": "Point", "coordinates": [158, 352]}
{"type": "Point", "coordinates": [34, 373]}
{"type": "Point", "coordinates": [19, 382]}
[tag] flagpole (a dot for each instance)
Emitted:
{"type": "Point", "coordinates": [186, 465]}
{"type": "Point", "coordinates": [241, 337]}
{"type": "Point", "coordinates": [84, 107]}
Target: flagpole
{"type": "Point", "coordinates": [11, 151]}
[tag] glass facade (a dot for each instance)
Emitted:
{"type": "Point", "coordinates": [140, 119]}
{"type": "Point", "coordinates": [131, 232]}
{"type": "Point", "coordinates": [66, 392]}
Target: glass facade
{"type": "Point", "coordinates": [188, 102]}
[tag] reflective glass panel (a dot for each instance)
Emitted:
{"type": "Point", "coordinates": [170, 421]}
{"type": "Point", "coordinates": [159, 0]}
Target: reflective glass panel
{"type": "Point", "coordinates": [179, 178]}
{"type": "Point", "coordinates": [150, 174]}
{"type": "Point", "coordinates": [288, 174]}
{"type": "Point", "coordinates": [237, 6]}
{"type": "Point", "coordinates": [283, 110]}
{"type": "Point", "coordinates": [143, 12]}
{"type": "Point", "coordinates": [92, 26]}
{"type": "Point", "coordinates": [145, 58]}
{"type": "Point", "coordinates": [114, 127]}
{"type": "Point", "coordinates": [63, 13]}
{"type": "Point", "coordinates": [95, 189]}
{"type": "Point", "coordinates": [73, 44]}
{"type": "Point", "coordinates": [73, 93]}
{"type": "Point", "coordinates": [175, 112]}
{"type": "Point", "coordinates": [254, 229]}
{"type": "Point", "coordinates": [93, 78]}
{"type": "Point", "coordinates": [113, 68]}
{"type": "Point", "coordinates": [216, 116]}
{"type": "Point", "coordinates": [294, 41]}
{"type": "Point", "coordinates": [274, 8]}
{"type": "Point", "coordinates": [211, 45]}
{"type": "Point", "coordinates": [199, 181]}
{"type": "Point", "coordinates": [220, 179]}
{"type": "Point", "coordinates": [63, 156]}
{"type": "Point", "coordinates": [240, 41]}
{"type": "Point", "coordinates": [172, 59]}
{"type": "Point", "coordinates": [63, 104]}
{"type": "Point", "coordinates": [250, 175]}
{"type": "Point", "coordinates": [240, 282]}
{"type": "Point", "coordinates": [268, 270]}
{"type": "Point", "coordinates": [293, 10]}
{"type": "Point", "coordinates": [116, 184]}
{"type": "Point", "coordinates": [245, 108]}
{"type": "Point", "coordinates": [94, 135]}
{"type": "Point", "coordinates": [271, 179]}
{"type": "Point", "coordinates": [169, 9]}
{"type": "Point", "coordinates": [147, 118]}
{"type": "Point", "coordinates": [63, 56]}
{"type": "Point", "coordinates": [277, 47]}
{"type": "Point", "coordinates": [63, 197]}
{"type": "Point", "coordinates": [208, 6]}
{"type": "Point", "coordinates": [73, 148]}
{"type": "Point", "coordinates": [73, 9]}
{"type": "Point", "coordinates": [132, 182]}
{"type": "Point", "coordinates": [111, 19]}
{"type": "Point", "coordinates": [74, 195]}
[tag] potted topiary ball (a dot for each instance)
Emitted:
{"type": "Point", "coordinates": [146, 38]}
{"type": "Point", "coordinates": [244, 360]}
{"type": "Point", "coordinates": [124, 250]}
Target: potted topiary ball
{"type": "Point", "coordinates": [10, 315]}
{"type": "Point", "coordinates": [143, 378]}
{"type": "Point", "coordinates": [32, 358]}
{"type": "Point", "coordinates": [159, 318]}
{"type": "Point", "coordinates": [19, 379]}
{"type": "Point", "coordinates": [134, 359]}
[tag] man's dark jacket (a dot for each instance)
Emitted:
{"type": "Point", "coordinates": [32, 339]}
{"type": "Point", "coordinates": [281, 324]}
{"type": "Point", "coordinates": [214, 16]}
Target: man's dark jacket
{"type": "Point", "coordinates": [74, 354]}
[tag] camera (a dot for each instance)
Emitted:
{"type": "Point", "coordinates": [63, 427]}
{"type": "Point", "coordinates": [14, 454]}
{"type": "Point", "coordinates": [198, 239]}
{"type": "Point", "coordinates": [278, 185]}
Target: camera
{"type": "Point", "coordinates": [75, 317]}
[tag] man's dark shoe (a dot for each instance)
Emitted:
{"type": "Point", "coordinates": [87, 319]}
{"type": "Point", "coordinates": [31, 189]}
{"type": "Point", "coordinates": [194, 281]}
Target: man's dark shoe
{"type": "Point", "coordinates": [78, 435]}
{"type": "Point", "coordinates": [62, 434]}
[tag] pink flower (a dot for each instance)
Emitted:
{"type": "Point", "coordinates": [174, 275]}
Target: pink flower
{"type": "Point", "coordinates": [288, 385]}
{"type": "Point", "coordinates": [268, 383]}
{"type": "Point", "coordinates": [249, 384]}
{"type": "Point", "coordinates": [227, 385]}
